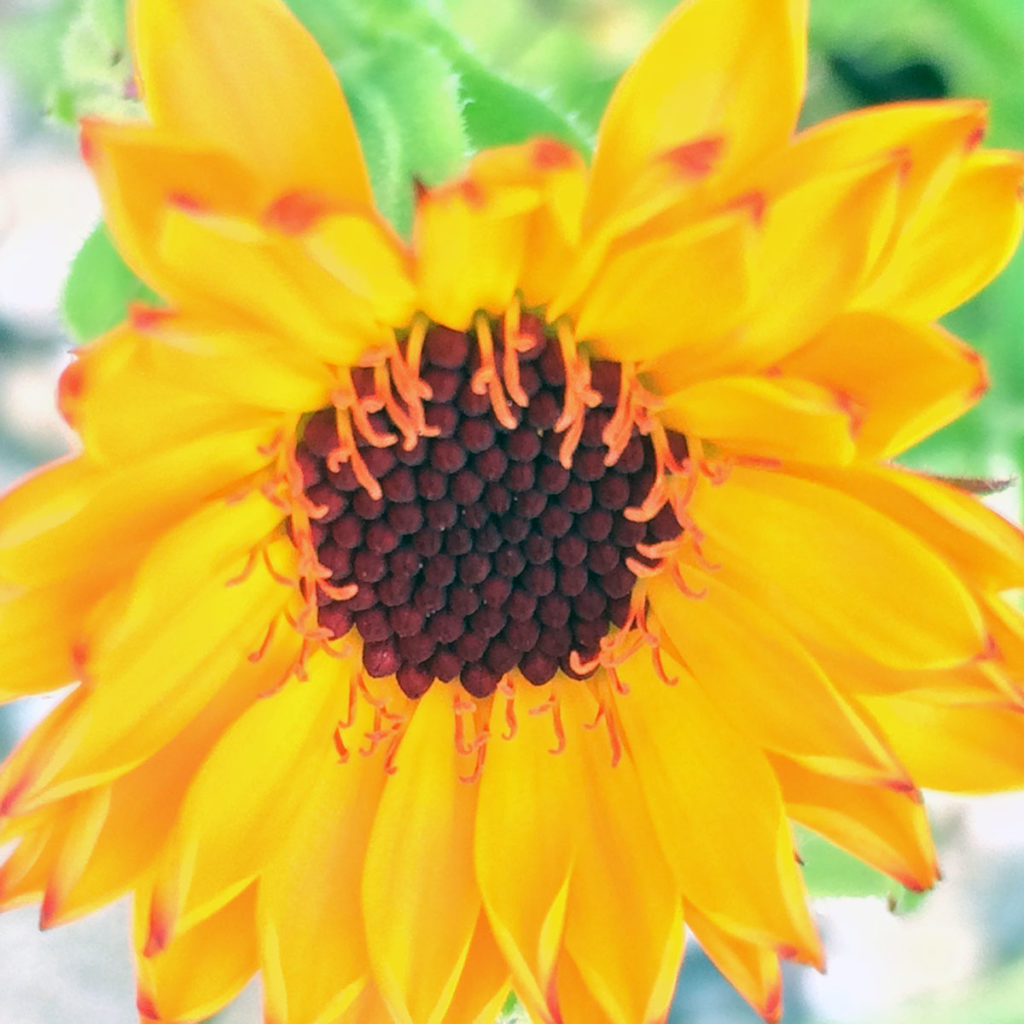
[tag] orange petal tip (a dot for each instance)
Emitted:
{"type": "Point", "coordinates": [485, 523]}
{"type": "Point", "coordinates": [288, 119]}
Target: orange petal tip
{"type": "Point", "coordinates": [159, 933]}
{"type": "Point", "coordinates": [50, 909]}
{"type": "Point", "coordinates": [70, 386]}
{"type": "Point", "coordinates": [146, 1007]}
{"type": "Point", "coordinates": [771, 1009]}
{"type": "Point", "coordinates": [9, 800]}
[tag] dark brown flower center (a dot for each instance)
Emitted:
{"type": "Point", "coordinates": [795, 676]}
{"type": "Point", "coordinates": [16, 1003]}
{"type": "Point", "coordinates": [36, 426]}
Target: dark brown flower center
{"type": "Point", "coordinates": [484, 554]}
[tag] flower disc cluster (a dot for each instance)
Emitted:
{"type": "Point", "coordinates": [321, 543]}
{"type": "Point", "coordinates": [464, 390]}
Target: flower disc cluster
{"type": "Point", "coordinates": [476, 613]}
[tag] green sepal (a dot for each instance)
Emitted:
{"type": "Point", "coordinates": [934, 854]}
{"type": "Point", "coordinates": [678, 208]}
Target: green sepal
{"type": "Point", "coordinates": [100, 288]}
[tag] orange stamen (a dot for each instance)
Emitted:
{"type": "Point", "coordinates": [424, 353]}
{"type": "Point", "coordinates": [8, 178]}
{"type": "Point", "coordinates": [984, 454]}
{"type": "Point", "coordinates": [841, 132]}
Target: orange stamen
{"type": "Point", "coordinates": [276, 576]}
{"type": "Point", "coordinates": [552, 705]}
{"type": "Point", "coordinates": [486, 379]}
{"type": "Point", "coordinates": [259, 653]}
{"type": "Point", "coordinates": [339, 745]}
{"type": "Point", "coordinates": [579, 395]}
{"type": "Point", "coordinates": [515, 344]}
{"type": "Point", "coordinates": [508, 691]}
{"type": "Point", "coordinates": [250, 564]}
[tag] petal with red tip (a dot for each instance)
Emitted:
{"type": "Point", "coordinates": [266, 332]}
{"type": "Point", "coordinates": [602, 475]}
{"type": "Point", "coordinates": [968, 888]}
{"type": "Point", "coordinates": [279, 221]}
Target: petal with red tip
{"type": "Point", "coordinates": [245, 75]}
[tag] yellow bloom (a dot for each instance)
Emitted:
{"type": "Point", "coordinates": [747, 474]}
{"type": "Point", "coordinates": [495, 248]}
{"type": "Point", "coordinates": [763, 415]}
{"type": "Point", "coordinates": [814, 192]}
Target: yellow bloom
{"type": "Point", "coordinates": [473, 613]}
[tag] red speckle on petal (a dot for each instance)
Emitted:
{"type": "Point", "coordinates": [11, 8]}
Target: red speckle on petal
{"type": "Point", "coordinates": [549, 154]}
{"type": "Point", "coordinates": [754, 203]}
{"type": "Point", "coordinates": [145, 318]}
{"type": "Point", "coordinates": [472, 193]}
{"type": "Point", "coordinates": [697, 159]}
{"type": "Point", "coordinates": [183, 201]}
{"type": "Point", "coordinates": [295, 213]}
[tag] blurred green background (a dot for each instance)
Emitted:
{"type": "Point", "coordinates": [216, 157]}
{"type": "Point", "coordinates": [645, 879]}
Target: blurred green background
{"type": "Point", "coordinates": [429, 81]}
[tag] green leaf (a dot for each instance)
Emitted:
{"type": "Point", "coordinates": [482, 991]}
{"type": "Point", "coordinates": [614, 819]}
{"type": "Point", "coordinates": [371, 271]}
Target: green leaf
{"type": "Point", "coordinates": [498, 112]}
{"type": "Point", "coordinates": [99, 288]}
{"type": "Point", "coordinates": [495, 110]}
{"type": "Point", "coordinates": [829, 872]}
{"type": "Point", "coordinates": [405, 102]}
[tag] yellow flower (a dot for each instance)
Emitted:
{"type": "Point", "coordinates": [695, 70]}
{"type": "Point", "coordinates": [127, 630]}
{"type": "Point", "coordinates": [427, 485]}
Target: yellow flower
{"type": "Point", "coordinates": [474, 613]}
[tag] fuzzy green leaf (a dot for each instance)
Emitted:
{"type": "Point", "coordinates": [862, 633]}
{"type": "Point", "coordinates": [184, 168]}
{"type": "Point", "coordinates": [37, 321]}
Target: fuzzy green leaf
{"type": "Point", "coordinates": [405, 101]}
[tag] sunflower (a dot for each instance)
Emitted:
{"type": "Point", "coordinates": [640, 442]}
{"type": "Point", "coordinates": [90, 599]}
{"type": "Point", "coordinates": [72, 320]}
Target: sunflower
{"type": "Point", "coordinates": [477, 613]}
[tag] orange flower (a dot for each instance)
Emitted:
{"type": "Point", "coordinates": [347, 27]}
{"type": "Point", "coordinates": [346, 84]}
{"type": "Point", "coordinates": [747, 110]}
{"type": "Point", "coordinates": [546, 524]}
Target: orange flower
{"type": "Point", "coordinates": [473, 613]}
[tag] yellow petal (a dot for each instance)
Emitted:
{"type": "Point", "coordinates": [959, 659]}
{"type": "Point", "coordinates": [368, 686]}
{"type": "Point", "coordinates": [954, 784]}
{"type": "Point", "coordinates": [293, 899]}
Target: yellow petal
{"type": "Point", "coordinates": [245, 366]}
{"type": "Point", "coordinates": [673, 295]}
{"type": "Point", "coordinates": [936, 136]}
{"type": "Point", "coordinates": [956, 246]}
{"type": "Point", "coordinates": [749, 967]}
{"type": "Point", "coordinates": [422, 888]}
{"type": "Point", "coordinates": [368, 260]}
{"type": "Point", "coordinates": [962, 750]}
{"type": "Point", "coordinates": [52, 739]}
{"type": "Point", "coordinates": [205, 967]}
{"type": "Point", "coordinates": [983, 682]}
{"type": "Point", "coordinates": [68, 518]}
{"type": "Point", "coordinates": [776, 417]}
{"type": "Point", "coordinates": [558, 175]}
{"type": "Point", "coordinates": [888, 830]}
{"type": "Point", "coordinates": [576, 1001]}
{"type": "Point", "coordinates": [246, 76]}
{"type": "Point", "coordinates": [765, 682]}
{"type": "Point", "coordinates": [144, 802]}
{"type": "Point", "coordinates": [976, 541]}
{"type": "Point", "coordinates": [731, 68]}
{"type": "Point", "coordinates": [1006, 627]}
{"type": "Point", "coordinates": [470, 244]}
{"type": "Point", "coordinates": [717, 810]}
{"type": "Point", "coordinates": [826, 234]}
{"type": "Point", "coordinates": [24, 870]}
{"type": "Point", "coordinates": [313, 952]}
{"type": "Point", "coordinates": [903, 381]}
{"type": "Point", "coordinates": [262, 768]}
{"type": "Point", "coordinates": [484, 985]}
{"type": "Point", "coordinates": [54, 851]}
{"type": "Point", "coordinates": [39, 628]}
{"type": "Point", "coordinates": [124, 411]}
{"type": "Point", "coordinates": [173, 637]}
{"type": "Point", "coordinates": [525, 830]}
{"type": "Point", "coordinates": [252, 276]}
{"type": "Point", "coordinates": [631, 980]}
{"type": "Point", "coordinates": [837, 571]}
{"type": "Point", "coordinates": [140, 170]}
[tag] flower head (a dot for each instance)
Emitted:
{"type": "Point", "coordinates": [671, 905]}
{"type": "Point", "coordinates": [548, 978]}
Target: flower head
{"type": "Point", "coordinates": [476, 612]}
